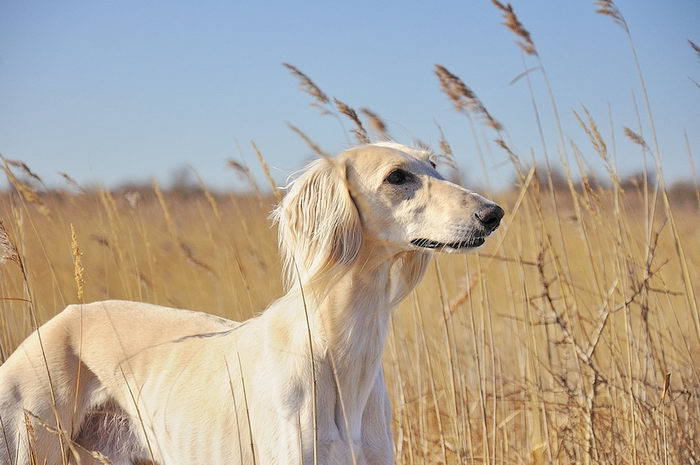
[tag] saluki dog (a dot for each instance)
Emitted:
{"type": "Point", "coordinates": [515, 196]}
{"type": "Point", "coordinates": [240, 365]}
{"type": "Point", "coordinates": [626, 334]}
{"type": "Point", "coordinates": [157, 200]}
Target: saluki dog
{"type": "Point", "coordinates": [301, 383]}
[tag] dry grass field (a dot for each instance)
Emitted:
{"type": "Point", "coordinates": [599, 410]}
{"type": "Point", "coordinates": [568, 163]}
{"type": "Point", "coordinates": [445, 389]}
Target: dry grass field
{"type": "Point", "coordinates": [572, 337]}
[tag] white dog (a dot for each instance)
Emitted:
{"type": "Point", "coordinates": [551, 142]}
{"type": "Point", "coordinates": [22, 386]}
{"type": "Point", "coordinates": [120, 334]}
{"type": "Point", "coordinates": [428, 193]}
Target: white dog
{"type": "Point", "coordinates": [302, 383]}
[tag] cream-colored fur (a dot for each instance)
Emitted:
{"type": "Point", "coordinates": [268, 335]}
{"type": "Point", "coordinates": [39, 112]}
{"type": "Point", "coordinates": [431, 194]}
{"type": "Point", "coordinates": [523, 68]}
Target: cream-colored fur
{"type": "Point", "coordinates": [137, 381]}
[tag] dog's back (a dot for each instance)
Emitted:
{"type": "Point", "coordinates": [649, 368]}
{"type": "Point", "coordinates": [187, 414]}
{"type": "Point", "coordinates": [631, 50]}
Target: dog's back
{"type": "Point", "coordinates": [81, 378]}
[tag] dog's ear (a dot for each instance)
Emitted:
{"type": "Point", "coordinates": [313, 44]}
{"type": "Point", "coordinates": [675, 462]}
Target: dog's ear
{"type": "Point", "coordinates": [320, 231]}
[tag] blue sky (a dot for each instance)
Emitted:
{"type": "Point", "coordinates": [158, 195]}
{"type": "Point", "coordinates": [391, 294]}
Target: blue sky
{"type": "Point", "coordinates": [114, 91]}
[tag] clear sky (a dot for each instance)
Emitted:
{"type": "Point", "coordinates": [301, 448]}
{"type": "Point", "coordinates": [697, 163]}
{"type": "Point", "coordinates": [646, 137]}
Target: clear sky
{"type": "Point", "coordinates": [109, 91]}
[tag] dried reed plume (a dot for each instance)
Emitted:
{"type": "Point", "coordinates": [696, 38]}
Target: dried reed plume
{"type": "Point", "coordinates": [243, 170]}
{"type": "Point", "coordinates": [308, 86]}
{"type": "Point", "coordinates": [310, 142]}
{"type": "Point", "coordinates": [513, 157]}
{"type": "Point", "coordinates": [71, 182]}
{"type": "Point", "coordinates": [513, 23]}
{"type": "Point", "coordinates": [601, 148]}
{"type": "Point", "coordinates": [24, 167]}
{"type": "Point", "coordinates": [591, 130]}
{"type": "Point", "coordinates": [378, 125]}
{"type": "Point", "coordinates": [608, 8]}
{"type": "Point", "coordinates": [8, 251]}
{"type": "Point", "coordinates": [78, 270]}
{"type": "Point", "coordinates": [463, 97]}
{"type": "Point", "coordinates": [359, 131]}
{"type": "Point", "coordinates": [695, 47]}
{"type": "Point", "coordinates": [26, 191]}
{"type": "Point", "coordinates": [636, 138]}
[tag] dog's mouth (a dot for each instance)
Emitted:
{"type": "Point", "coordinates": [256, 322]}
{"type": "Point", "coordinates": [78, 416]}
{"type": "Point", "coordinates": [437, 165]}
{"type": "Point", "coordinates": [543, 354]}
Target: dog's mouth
{"type": "Point", "coordinates": [466, 244]}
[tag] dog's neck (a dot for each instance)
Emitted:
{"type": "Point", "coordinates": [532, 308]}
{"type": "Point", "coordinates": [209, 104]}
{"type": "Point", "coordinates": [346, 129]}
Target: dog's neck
{"type": "Point", "coordinates": [355, 316]}
{"type": "Point", "coordinates": [363, 296]}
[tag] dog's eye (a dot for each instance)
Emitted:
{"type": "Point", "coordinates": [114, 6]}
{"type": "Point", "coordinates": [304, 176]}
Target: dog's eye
{"type": "Point", "coordinates": [397, 177]}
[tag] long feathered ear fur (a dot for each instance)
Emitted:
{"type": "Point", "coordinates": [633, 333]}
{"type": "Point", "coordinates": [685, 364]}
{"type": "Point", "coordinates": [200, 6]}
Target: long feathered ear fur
{"type": "Point", "coordinates": [320, 232]}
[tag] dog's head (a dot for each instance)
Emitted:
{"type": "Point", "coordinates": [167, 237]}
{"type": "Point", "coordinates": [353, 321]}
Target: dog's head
{"type": "Point", "coordinates": [403, 201]}
{"type": "Point", "coordinates": [384, 194]}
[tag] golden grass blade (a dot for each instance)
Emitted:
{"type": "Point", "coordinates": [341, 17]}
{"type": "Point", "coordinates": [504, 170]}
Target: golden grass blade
{"type": "Point", "coordinates": [266, 171]}
{"type": "Point", "coordinates": [312, 145]}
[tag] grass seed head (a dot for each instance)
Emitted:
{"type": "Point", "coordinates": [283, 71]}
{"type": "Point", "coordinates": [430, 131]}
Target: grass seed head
{"type": "Point", "coordinates": [513, 23]}
{"type": "Point", "coordinates": [71, 182]}
{"type": "Point", "coordinates": [463, 97]}
{"type": "Point", "coordinates": [359, 131]}
{"type": "Point", "coordinates": [636, 138]}
{"type": "Point", "coordinates": [8, 250]}
{"type": "Point", "coordinates": [25, 168]}
{"type": "Point", "coordinates": [695, 47]}
{"type": "Point", "coordinates": [78, 270]}
{"type": "Point", "coordinates": [308, 86]}
{"type": "Point", "coordinates": [26, 191]}
{"type": "Point", "coordinates": [377, 124]}
{"type": "Point", "coordinates": [608, 8]}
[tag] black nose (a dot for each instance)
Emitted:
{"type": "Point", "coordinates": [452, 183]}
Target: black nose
{"type": "Point", "coordinates": [489, 216]}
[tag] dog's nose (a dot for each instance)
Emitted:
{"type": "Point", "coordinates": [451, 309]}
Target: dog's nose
{"type": "Point", "coordinates": [489, 216]}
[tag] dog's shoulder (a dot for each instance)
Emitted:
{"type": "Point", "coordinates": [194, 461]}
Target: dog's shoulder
{"type": "Point", "coordinates": [141, 321]}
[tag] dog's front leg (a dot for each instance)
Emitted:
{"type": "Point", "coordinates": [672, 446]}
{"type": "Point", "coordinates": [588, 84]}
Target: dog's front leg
{"type": "Point", "coordinates": [321, 430]}
{"type": "Point", "coordinates": [281, 443]}
{"type": "Point", "coordinates": [297, 439]}
{"type": "Point", "coordinates": [377, 441]}
{"type": "Point", "coordinates": [339, 452]}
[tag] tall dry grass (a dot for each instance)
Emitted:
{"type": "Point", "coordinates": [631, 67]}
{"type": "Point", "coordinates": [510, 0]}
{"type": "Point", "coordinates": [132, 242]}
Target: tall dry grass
{"type": "Point", "coordinates": [568, 339]}
{"type": "Point", "coordinates": [572, 337]}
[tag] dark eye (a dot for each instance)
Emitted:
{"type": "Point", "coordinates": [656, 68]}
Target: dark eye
{"type": "Point", "coordinates": [397, 177]}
